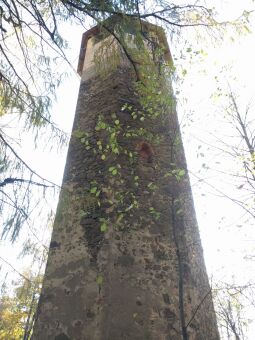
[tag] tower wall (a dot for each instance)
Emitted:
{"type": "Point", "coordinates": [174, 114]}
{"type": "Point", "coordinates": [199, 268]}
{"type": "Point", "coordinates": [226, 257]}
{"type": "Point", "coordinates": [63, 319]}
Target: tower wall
{"type": "Point", "coordinates": [125, 258]}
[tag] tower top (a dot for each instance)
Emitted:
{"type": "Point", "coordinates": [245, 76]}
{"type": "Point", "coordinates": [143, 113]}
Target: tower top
{"type": "Point", "coordinates": [109, 25]}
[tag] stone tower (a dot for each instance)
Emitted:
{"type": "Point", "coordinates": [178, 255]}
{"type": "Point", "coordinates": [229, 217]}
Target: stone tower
{"type": "Point", "coordinates": [125, 258]}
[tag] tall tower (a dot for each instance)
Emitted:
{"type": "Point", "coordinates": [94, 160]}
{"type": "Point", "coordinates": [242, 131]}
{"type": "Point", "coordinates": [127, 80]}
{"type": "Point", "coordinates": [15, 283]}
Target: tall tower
{"type": "Point", "coordinates": [125, 258]}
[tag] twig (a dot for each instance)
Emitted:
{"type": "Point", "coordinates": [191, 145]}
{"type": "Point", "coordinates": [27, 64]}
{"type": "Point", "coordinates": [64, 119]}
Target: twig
{"type": "Point", "coordinates": [13, 180]}
{"type": "Point", "coordinates": [24, 277]}
{"type": "Point", "coordinates": [24, 163]}
{"type": "Point", "coordinates": [197, 308]}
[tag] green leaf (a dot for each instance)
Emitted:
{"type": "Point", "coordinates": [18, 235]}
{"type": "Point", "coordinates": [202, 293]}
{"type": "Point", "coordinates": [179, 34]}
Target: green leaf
{"type": "Point", "coordinates": [100, 280]}
{"type": "Point", "coordinates": [78, 134]}
{"type": "Point", "coordinates": [124, 107]}
{"type": "Point", "coordinates": [103, 227]}
{"type": "Point", "coordinates": [179, 211]}
{"type": "Point", "coordinates": [181, 172]}
{"type": "Point", "coordinates": [120, 217]}
{"type": "Point", "coordinates": [93, 190]}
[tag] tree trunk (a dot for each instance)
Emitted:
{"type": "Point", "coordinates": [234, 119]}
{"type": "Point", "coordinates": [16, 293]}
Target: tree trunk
{"type": "Point", "coordinates": [125, 259]}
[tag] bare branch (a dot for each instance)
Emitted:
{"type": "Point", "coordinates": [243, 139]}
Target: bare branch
{"type": "Point", "coordinates": [24, 277]}
{"type": "Point", "coordinates": [21, 180]}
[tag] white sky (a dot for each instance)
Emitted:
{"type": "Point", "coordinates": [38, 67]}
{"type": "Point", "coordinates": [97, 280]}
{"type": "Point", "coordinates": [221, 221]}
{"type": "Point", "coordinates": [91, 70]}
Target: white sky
{"type": "Point", "coordinates": [225, 244]}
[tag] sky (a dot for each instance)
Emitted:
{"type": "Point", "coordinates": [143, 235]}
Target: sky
{"type": "Point", "coordinates": [227, 235]}
{"type": "Point", "coordinates": [232, 64]}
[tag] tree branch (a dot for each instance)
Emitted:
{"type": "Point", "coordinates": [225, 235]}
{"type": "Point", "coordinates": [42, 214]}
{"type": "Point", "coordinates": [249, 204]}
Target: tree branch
{"type": "Point", "coordinates": [11, 180]}
{"type": "Point", "coordinates": [23, 162]}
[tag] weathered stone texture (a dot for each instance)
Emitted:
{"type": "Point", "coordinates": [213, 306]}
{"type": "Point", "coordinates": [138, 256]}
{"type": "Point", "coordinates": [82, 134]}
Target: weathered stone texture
{"type": "Point", "coordinates": [144, 278]}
